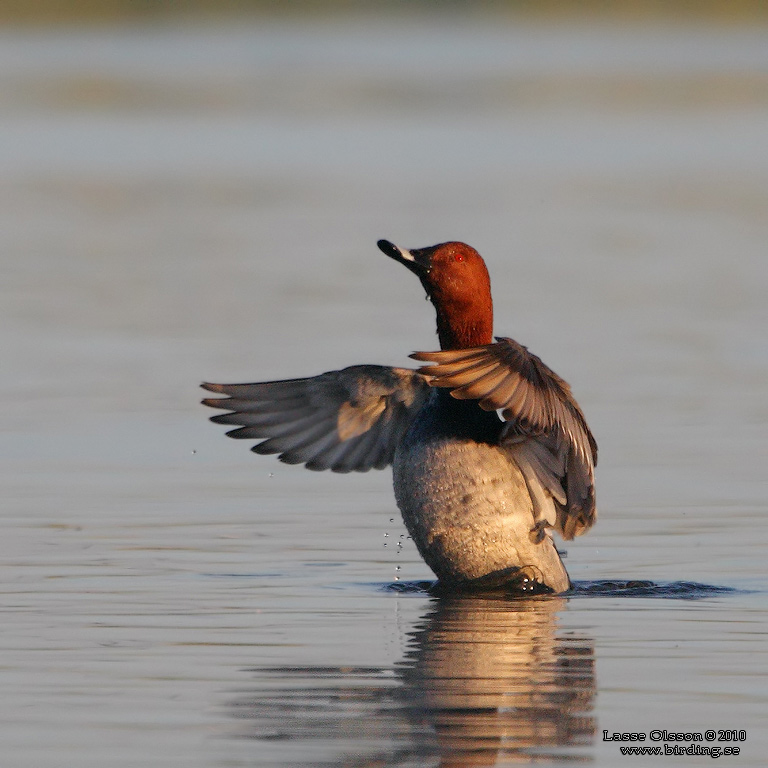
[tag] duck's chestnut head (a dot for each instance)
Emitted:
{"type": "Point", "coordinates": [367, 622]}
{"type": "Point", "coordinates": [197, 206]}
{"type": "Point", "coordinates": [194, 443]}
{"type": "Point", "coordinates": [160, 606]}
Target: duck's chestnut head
{"type": "Point", "coordinates": [456, 280]}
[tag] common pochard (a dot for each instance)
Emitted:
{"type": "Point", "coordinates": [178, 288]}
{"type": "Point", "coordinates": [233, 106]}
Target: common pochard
{"type": "Point", "coordinates": [489, 450]}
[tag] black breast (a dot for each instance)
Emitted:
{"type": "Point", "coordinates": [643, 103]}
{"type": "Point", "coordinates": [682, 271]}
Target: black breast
{"type": "Point", "coordinates": [444, 416]}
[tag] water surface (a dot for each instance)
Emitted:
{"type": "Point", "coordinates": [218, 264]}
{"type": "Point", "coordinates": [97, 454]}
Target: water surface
{"type": "Point", "coordinates": [187, 204]}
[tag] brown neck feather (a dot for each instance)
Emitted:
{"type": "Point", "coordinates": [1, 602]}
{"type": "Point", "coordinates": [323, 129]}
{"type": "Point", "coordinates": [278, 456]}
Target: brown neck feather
{"type": "Point", "coordinates": [459, 329]}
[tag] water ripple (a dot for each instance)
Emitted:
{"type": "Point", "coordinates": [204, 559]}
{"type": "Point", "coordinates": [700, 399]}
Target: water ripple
{"type": "Point", "coordinates": [677, 590]}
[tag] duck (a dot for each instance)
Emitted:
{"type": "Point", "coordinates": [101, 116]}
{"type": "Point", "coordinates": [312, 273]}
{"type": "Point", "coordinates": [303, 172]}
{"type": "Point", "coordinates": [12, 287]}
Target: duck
{"type": "Point", "coordinates": [490, 452]}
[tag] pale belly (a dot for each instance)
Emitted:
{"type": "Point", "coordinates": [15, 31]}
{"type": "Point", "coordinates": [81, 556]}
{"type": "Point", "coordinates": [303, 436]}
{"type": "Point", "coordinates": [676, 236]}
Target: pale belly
{"type": "Point", "coordinates": [467, 507]}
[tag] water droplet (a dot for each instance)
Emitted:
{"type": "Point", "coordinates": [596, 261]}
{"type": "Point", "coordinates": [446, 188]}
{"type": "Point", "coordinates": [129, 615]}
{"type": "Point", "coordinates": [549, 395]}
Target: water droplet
{"type": "Point", "coordinates": [386, 535]}
{"type": "Point", "coordinates": [194, 451]}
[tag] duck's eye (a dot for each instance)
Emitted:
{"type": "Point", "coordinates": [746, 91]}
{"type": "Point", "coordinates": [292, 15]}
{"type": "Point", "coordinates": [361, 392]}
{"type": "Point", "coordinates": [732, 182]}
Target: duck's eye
{"type": "Point", "coordinates": [458, 257]}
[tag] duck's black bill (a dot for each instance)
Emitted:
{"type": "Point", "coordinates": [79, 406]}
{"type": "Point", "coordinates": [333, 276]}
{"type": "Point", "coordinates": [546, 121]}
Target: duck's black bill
{"type": "Point", "coordinates": [390, 249]}
{"type": "Point", "coordinates": [418, 261]}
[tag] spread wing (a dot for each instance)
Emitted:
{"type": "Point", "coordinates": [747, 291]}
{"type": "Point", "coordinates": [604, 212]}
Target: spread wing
{"type": "Point", "coordinates": [545, 432]}
{"type": "Point", "coordinates": [348, 420]}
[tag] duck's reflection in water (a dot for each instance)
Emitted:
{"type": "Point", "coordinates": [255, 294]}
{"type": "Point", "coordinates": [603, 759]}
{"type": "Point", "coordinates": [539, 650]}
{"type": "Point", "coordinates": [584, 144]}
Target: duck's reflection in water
{"type": "Point", "coordinates": [494, 678]}
{"type": "Point", "coordinates": [485, 681]}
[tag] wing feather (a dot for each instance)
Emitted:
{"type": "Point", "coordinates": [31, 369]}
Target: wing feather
{"type": "Point", "coordinates": [546, 432]}
{"type": "Point", "coordinates": [345, 421]}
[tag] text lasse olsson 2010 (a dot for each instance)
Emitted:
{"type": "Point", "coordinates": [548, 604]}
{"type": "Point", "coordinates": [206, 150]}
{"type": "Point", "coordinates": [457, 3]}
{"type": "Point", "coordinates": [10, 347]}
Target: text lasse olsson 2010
{"type": "Point", "coordinates": [729, 735]}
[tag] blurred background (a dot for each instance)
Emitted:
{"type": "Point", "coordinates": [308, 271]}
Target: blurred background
{"type": "Point", "coordinates": [193, 191]}
{"type": "Point", "coordinates": [152, 10]}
